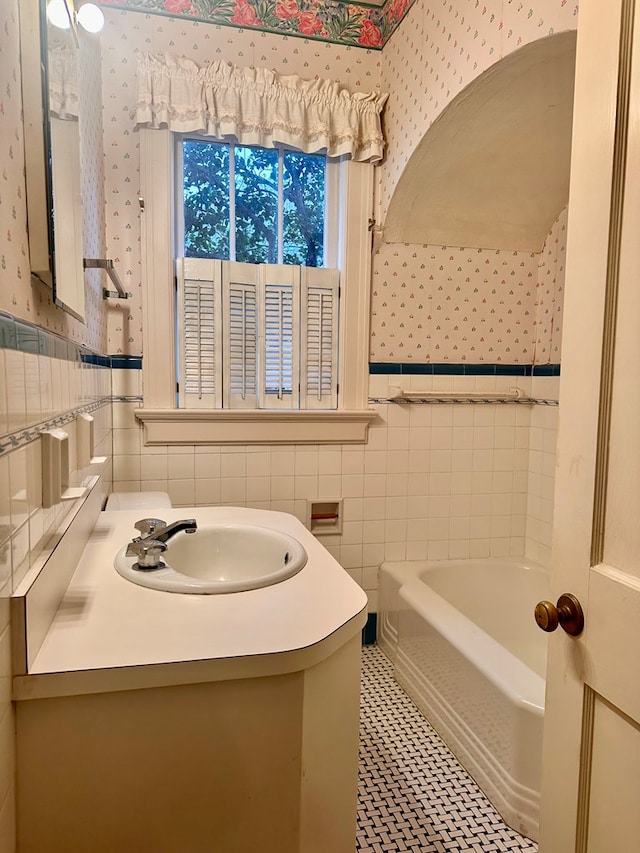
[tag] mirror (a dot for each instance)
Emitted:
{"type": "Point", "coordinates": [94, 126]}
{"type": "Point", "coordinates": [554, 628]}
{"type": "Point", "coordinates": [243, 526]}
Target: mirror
{"type": "Point", "coordinates": [53, 136]}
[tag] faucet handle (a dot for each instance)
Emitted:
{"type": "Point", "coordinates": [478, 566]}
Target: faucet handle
{"type": "Point", "coordinates": [148, 552]}
{"type": "Point", "coordinates": [148, 526]}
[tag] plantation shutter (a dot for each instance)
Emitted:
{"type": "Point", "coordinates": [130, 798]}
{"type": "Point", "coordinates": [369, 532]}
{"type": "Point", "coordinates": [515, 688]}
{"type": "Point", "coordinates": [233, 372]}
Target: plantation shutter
{"type": "Point", "coordinates": [199, 314]}
{"type": "Point", "coordinates": [240, 319]}
{"type": "Point", "coordinates": [280, 336]}
{"type": "Point", "coordinates": [319, 346]}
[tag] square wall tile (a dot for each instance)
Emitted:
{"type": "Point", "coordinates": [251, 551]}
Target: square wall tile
{"type": "Point", "coordinates": [181, 492]}
{"type": "Point", "coordinates": [126, 467]}
{"type": "Point", "coordinates": [351, 556]}
{"type": "Point", "coordinates": [353, 485]}
{"type": "Point", "coordinates": [126, 441]}
{"type": "Point", "coordinates": [353, 460]}
{"type": "Point", "coordinates": [231, 465]}
{"type": "Point", "coordinates": [152, 467]}
{"type": "Point", "coordinates": [283, 462]}
{"type": "Point", "coordinates": [258, 489]}
{"type": "Point", "coordinates": [18, 484]}
{"type": "Point", "coordinates": [207, 465]}
{"type": "Point", "coordinates": [207, 492]}
{"type": "Point", "coordinates": [32, 387]}
{"type": "Point", "coordinates": [329, 460]}
{"type": "Point", "coordinates": [373, 533]}
{"type": "Point", "coordinates": [14, 380]}
{"type": "Point", "coordinates": [126, 383]}
{"type": "Point", "coordinates": [258, 464]}
{"type": "Point", "coordinates": [5, 497]}
{"type": "Point", "coordinates": [329, 487]}
{"type": "Point", "coordinates": [233, 490]}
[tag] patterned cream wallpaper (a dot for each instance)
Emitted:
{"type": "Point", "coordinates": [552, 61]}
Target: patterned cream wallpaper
{"type": "Point", "coordinates": [436, 303]}
{"type": "Point", "coordinates": [428, 303]}
{"type": "Point", "coordinates": [127, 31]}
{"type": "Point", "coordinates": [440, 47]}
{"type": "Point", "coordinates": [444, 304]}
{"type": "Point", "coordinates": [433, 303]}
{"type": "Point", "coordinates": [550, 291]}
{"type": "Point", "coordinates": [18, 295]}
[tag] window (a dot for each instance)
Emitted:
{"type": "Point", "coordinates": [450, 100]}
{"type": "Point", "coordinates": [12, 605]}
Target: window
{"type": "Point", "coordinates": [347, 247]}
{"type": "Point", "coordinates": [259, 330]}
{"type": "Point", "coordinates": [254, 205]}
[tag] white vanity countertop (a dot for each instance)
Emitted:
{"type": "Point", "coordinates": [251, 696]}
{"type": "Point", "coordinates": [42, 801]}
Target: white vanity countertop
{"type": "Point", "coordinates": [105, 622]}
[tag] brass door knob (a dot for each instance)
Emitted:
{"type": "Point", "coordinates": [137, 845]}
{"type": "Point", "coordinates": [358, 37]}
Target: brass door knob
{"type": "Point", "coordinates": [567, 613]}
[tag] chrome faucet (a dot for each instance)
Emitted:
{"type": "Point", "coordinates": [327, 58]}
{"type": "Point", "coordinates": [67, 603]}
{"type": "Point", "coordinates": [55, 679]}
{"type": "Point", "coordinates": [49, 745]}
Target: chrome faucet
{"type": "Point", "coordinates": [149, 547]}
{"type": "Point", "coordinates": [156, 528]}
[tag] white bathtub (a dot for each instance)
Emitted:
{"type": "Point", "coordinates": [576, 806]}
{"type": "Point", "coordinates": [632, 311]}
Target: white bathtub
{"type": "Point", "coordinates": [465, 647]}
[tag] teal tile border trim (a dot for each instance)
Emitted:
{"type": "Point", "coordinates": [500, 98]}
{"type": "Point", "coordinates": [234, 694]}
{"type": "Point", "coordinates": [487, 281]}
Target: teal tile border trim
{"type": "Point", "coordinates": [126, 362]}
{"type": "Point", "coordinates": [377, 368]}
{"type": "Point", "coordinates": [21, 335]}
{"type": "Point", "coordinates": [359, 25]}
{"type": "Point", "coordinates": [26, 337]}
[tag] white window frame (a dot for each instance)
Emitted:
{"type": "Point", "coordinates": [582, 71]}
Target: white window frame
{"type": "Point", "coordinates": [163, 422]}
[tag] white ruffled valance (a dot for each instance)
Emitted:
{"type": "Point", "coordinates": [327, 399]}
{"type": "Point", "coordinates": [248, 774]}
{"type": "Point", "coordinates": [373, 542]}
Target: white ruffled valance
{"type": "Point", "coordinates": [62, 70]}
{"type": "Point", "coordinates": [258, 107]}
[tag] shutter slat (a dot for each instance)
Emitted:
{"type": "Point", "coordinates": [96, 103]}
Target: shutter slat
{"type": "Point", "coordinates": [241, 350]}
{"type": "Point", "coordinates": [280, 335]}
{"type": "Point", "coordinates": [320, 338]}
{"type": "Point", "coordinates": [198, 320]}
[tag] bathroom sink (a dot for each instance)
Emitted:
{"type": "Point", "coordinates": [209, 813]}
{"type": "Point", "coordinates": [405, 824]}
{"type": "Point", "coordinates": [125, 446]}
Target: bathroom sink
{"type": "Point", "coordinates": [219, 558]}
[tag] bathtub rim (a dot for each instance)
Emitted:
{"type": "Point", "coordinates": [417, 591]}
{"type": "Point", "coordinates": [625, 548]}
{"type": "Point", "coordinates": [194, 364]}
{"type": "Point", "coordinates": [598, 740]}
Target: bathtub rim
{"type": "Point", "coordinates": [405, 570]}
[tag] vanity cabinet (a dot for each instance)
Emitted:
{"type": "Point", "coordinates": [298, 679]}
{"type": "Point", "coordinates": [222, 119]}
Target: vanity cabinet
{"type": "Point", "coordinates": [168, 723]}
{"type": "Point", "coordinates": [267, 763]}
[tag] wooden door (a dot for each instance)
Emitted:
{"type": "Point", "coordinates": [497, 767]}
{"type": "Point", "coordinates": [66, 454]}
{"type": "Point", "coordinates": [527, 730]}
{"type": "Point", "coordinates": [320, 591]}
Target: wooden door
{"type": "Point", "coordinates": [591, 776]}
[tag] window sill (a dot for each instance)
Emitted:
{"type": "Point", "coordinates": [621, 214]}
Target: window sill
{"type": "Point", "coordinates": [251, 426]}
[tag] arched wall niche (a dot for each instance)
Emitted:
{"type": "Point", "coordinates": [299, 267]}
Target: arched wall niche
{"type": "Point", "coordinates": [492, 171]}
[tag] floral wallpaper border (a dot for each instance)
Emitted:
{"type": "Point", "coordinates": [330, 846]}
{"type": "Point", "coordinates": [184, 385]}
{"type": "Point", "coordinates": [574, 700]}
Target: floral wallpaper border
{"type": "Point", "coordinates": [321, 20]}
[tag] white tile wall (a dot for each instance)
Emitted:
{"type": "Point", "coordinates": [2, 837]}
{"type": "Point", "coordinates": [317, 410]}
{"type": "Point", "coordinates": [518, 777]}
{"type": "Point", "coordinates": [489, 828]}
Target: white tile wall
{"type": "Point", "coordinates": [25, 525]}
{"type": "Point", "coordinates": [33, 388]}
{"type": "Point", "coordinates": [541, 471]}
{"type": "Point", "coordinates": [434, 481]}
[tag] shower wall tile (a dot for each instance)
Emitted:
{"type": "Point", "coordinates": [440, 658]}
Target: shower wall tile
{"type": "Point", "coordinates": [541, 472]}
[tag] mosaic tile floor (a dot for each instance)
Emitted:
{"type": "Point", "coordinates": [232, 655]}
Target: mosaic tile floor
{"type": "Point", "coordinates": [412, 794]}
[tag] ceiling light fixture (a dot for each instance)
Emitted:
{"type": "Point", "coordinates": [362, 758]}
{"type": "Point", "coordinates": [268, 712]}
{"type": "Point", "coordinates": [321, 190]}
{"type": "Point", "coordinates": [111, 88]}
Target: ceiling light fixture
{"type": "Point", "coordinates": [59, 14]}
{"type": "Point", "coordinates": [90, 17]}
{"type": "Point", "coordinates": [63, 13]}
